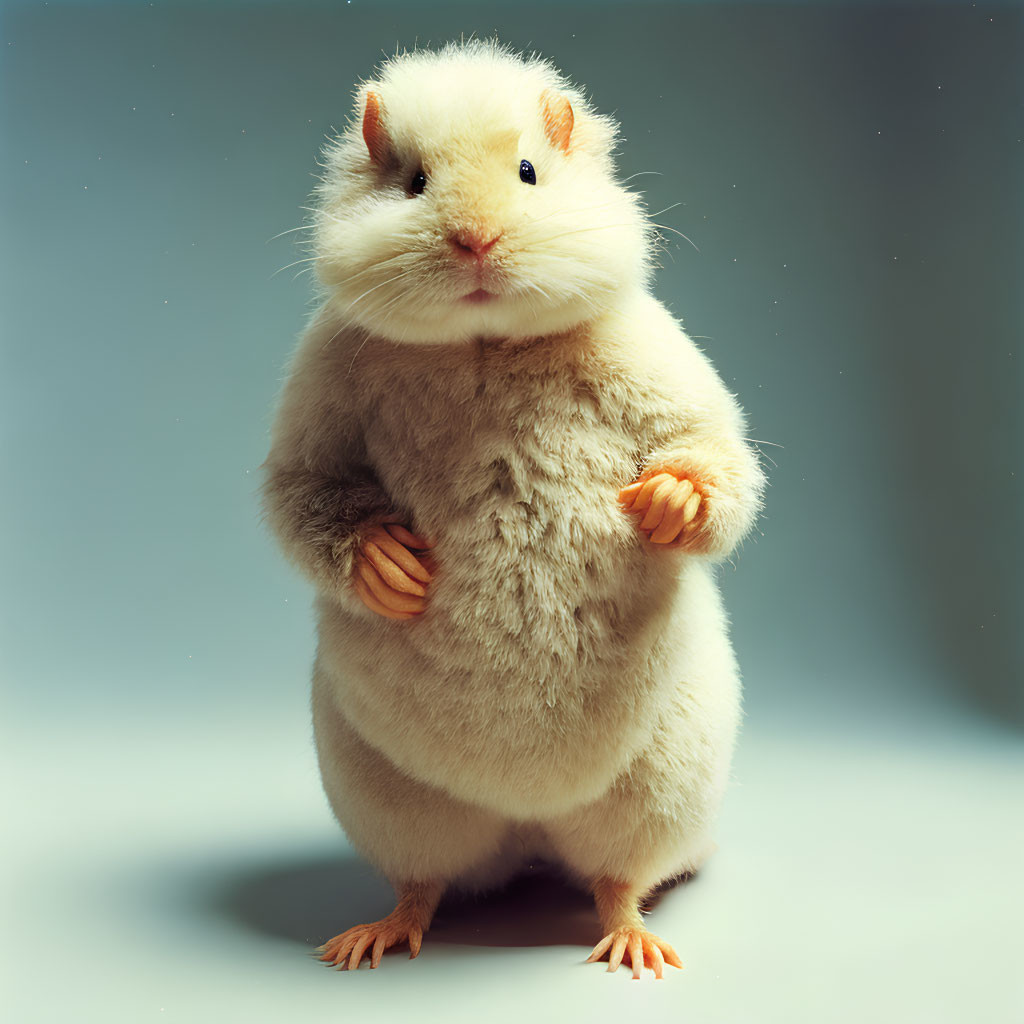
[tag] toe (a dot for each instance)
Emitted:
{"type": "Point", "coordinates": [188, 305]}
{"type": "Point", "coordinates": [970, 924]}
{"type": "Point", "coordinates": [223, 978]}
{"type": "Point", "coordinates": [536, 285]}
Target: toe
{"type": "Point", "coordinates": [657, 963]}
{"type": "Point", "coordinates": [618, 950]}
{"type": "Point", "coordinates": [378, 951]}
{"type": "Point", "coordinates": [671, 956]}
{"type": "Point", "coordinates": [636, 953]}
{"type": "Point", "coordinates": [600, 949]}
{"type": "Point", "coordinates": [359, 950]}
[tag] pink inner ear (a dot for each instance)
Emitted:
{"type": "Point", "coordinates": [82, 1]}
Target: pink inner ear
{"type": "Point", "coordinates": [374, 135]}
{"type": "Point", "coordinates": [558, 119]}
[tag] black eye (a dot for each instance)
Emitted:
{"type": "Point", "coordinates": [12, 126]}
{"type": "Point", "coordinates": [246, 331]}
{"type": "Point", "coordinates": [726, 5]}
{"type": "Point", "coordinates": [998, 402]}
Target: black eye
{"type": "Point", "coordinates": [418, 183]}
{"type": "Point", "coordinates": [527, 173]}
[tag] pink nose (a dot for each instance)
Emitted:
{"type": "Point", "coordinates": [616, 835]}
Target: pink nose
{"type": "Point", "coordinates": [465, 243]}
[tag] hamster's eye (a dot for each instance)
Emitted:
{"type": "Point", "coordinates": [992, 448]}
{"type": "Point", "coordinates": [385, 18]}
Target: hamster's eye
{"type": "Point", "coordinates": [527, 173]}
{"type": "Point", "coordinates": [418, 183]}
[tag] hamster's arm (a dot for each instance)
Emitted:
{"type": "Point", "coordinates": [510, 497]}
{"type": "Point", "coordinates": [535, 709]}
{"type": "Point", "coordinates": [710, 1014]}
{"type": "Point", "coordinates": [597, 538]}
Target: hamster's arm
{"type": "Point", "coordinates": [700, 481]}
{"type": "Point", "coordinates": [320, 495]}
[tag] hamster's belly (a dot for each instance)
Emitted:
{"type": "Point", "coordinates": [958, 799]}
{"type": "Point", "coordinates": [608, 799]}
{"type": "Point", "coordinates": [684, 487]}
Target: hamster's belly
{"type": "Point", "coordinates": [547, 645]}
{"type": "Point", "coordinates": [539, 667]}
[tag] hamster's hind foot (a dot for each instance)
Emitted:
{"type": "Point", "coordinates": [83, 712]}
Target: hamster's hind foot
{"type": "Point", "coordinates": [406, 923]}
{"type": "Point", "coordinates": [625, 934]}
{"type": "Point", "coordinates": [643, 948]}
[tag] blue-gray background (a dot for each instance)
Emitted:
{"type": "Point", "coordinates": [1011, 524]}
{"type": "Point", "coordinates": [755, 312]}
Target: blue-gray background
{"type": "Point", "coordinates": [851, 175]}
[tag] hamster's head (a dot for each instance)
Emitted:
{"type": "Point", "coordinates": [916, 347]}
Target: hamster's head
{"type": "Point", "coordinates": [474, 195]}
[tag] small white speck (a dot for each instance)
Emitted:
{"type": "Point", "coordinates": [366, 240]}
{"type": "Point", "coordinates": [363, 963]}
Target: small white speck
{"type": "Point", "coordinates": [879, 133]}
{"type": "Point", "coordinates": [165, 302]}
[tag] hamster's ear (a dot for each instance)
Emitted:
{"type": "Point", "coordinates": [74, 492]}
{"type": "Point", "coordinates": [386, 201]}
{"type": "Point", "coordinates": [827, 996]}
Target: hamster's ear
{"type": "Point", "coordinates": [558, 119]}
{"type": "Point", "coordinates": [374, 133]}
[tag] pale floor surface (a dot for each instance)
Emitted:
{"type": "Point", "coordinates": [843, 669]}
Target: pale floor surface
{"type": "Point", "coordinates": [185, 874]}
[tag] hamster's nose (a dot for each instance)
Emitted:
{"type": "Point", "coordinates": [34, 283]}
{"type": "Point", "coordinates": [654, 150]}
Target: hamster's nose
{"type": "Point", "coordinates": [471, 245]}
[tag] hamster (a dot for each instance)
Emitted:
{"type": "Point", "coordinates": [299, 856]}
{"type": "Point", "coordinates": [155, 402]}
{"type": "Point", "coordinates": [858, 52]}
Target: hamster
{"type": "Point", "coordinates": [508, 473]}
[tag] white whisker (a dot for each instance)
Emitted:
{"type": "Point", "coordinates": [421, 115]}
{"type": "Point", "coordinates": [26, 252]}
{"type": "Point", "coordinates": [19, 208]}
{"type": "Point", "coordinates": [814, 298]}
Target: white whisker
{"type": "Point", "coordinates": [309, 259]}
{"type": "Point", "coordinates": [383, 284]}
{"type": "Point", "coordinates": [663, 227]}
{"type": "Point", "coordinates": [281, 234]}
{"type": "Point", "coordinates": [658, 213]}
{"type": "Point", "coordinates": [579, 231]}
{"type": "Point", "coordinates": [638, 173]}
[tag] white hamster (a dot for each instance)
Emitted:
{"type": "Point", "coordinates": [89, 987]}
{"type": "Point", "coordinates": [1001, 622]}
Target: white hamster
{"type": "Point", "coordinates": [508, 472]}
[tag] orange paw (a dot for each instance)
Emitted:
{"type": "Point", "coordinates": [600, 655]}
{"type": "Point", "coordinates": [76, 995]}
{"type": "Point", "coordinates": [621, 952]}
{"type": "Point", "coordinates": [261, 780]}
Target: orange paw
{"type": "Point", "coordinates": [670, 508]}
{"type": "Point", "coordinates": [389, 579]}
{"type": "Point", "coordinates": [346, 950]}
{"type": "Point", "coordinates": [642, 947]}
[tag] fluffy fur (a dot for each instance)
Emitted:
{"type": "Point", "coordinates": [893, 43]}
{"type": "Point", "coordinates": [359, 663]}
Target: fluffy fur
{"type": "Point", "coordinates": [570, 688]}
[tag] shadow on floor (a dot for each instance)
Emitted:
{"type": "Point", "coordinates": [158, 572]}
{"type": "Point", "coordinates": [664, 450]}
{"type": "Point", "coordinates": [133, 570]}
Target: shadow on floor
{"type": "Point", "coordinates": [312, 901]}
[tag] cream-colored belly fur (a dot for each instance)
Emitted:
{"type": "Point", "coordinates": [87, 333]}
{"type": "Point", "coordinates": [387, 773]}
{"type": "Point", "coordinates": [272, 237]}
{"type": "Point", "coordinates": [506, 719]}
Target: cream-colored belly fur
{"type": "Point", "coordinates": [555, 642]}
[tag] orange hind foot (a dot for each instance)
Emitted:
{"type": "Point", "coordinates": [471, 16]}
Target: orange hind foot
{"type": "Point", "coordinates": [642, 947]}
{"type": "Point", "coordinates": [406, 923]}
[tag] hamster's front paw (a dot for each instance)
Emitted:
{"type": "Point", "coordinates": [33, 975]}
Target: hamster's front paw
{"type": "Point", "coordinates": [389, 578]}
{"type": "Point", "coordinates": [671, 509]}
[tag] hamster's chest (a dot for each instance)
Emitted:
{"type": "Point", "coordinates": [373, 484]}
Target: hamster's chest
{"type": "Point", "coordinates": [500, 452]}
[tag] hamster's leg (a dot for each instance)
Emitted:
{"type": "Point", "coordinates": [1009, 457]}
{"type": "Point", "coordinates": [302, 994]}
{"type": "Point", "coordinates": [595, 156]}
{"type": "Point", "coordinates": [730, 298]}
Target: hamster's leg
{"type": "Point", "coordinates": [654, 822]}
{"type": "Point", "coordinates": [418, 836]}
